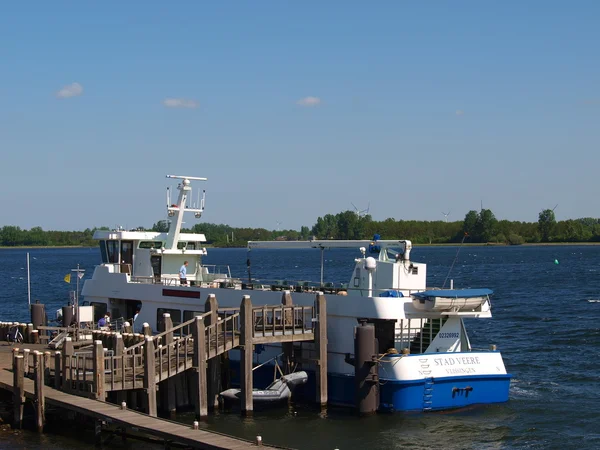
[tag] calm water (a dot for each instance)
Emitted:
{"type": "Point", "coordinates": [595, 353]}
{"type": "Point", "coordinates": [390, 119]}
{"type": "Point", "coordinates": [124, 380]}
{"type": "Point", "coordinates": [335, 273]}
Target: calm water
{"type": "Point", "coordinates": [546, 323]}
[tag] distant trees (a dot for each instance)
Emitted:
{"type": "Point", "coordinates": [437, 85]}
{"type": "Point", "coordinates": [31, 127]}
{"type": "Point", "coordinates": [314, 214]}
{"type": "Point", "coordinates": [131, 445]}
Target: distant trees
{"type": "Point", "coordinates": [480, 226]}
{"type": "Point", "coordinates": [546, 223]}
{"type": "Point", "coordinates": [13, 236]}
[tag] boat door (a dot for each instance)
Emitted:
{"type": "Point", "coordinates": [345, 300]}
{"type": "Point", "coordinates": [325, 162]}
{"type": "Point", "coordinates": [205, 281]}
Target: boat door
{"type": "Point", "coordinates": [156, 262]}
{"type": "Point", "coordinates": [126, 256]}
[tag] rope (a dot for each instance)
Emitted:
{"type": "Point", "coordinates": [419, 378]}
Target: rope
{"type": "Point", "coordinates": [455, 259]}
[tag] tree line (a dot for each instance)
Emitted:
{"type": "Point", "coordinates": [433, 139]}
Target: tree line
{"type": "Point", "coordinates": [477, 227]}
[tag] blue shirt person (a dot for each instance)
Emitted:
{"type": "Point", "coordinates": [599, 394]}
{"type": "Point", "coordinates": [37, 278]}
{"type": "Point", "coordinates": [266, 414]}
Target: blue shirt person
{"type": "Point", "coordinates": [183, 274]}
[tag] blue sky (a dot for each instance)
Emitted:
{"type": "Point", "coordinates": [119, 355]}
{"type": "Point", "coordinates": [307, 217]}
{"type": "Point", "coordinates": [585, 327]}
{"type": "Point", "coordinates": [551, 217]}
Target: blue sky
{"type": "Point", "coordinates": [297, 109]}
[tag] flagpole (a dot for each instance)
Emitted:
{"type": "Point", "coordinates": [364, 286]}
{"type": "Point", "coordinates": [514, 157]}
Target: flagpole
{"type": "Point", "coordinates": [28, 283]}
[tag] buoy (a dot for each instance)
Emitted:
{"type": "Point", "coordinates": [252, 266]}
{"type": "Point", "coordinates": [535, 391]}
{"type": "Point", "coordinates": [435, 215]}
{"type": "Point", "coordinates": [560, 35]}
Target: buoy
{"type": "Point", "coordinates": [556, 261]}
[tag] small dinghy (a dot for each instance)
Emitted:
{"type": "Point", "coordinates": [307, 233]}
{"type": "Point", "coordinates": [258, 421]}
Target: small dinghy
{"type": "Point", "coordinates": [279, 390]}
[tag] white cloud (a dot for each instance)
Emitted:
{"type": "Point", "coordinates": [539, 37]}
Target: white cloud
{"type": "Point", "coordinates": [459, 112]}
{"type": "Point", "coordinates": [70, 90]}
{"type": "Point", "coordinates": [309, 101]}
{"type": "Point", "coordinates": [180, 103]}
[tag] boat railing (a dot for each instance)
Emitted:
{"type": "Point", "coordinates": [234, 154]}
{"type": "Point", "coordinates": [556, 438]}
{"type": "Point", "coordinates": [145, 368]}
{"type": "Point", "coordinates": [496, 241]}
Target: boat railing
{"type": "Point", "coordinates": [417, 334]}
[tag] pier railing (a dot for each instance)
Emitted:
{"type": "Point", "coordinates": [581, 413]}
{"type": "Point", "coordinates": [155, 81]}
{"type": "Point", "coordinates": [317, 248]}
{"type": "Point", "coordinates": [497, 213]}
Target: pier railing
{"type": "Point", "coordinates": [109, 365]}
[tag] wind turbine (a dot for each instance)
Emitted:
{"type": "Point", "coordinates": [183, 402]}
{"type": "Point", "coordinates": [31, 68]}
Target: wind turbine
{"type": "Point", "coordinates": [446, 214]}
{"type": "Point", "coordinates": [363, 212]}
{"type": "Point", "coordinates": [278, 223]}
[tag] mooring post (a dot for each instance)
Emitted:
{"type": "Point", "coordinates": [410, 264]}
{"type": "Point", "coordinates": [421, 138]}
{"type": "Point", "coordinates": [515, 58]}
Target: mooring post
{"type": "Point", "coordinates": [211, 307]}
{"type": "Point", "coordinates": [35, 337]}
{"type": "Point", "coordinates": [28, 333]}
{"type": "Point", "coordinates": [150, 375]}
{"type": "Point", "coordinates": [67, 354]}
{"type": "Point", "coordinates": [26, 359]}
{"type": "Point", "coordinates": [57, 370]}
{"type": "Point", "coordinates": [118, 344]}
{"type": "Point", "coordinates": [146, 329]}
{"type": "Point", "coordinates": [366, 378]}
{"type": "Point", "coordinates": [98, 370]}
{"type": "Point", "coordinates": [247, 329]}
{"type": "Point", "coordinates": [321, 348]}
{"type": "Point", "coordinates": [168, 395]}
{"type": "Point", "coordinates": [288, 324]}
{"type": "Point", "coordinates": [18, 389]}
{"type": "Point", "coordinates": [47, 365]}
{"type": "Point", "coordinates": [38, 383]}
{"type": "Point", "coordinates": [199, 362]}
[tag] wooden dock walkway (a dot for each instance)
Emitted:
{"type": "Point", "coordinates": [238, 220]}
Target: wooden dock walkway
{"type": "Point", "coordinates": [166, 430]}
{"type": "Point", "coordinates": [82, 374]}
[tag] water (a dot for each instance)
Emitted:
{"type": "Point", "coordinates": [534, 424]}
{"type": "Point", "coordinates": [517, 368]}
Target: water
{"type": "Point", "coordinates": [546, 323]}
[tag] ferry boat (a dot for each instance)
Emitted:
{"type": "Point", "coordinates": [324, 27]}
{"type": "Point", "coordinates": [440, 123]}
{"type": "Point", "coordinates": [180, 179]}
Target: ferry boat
{"type": "Point", "coordinates": [426, 360]}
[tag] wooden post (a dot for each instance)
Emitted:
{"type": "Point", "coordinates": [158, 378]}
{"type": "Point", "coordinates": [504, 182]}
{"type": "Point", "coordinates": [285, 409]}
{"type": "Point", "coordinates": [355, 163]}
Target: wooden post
{"type": "Point", "coordinates": [146, 329]}
{"type": "Point", "coordinates": [214, 364]}
{"type": "Point", "coordinates": [35, 337]}
{"type": "Point", "coordinates": [321, 348]}
{"type": "Point", "coordinates": [150, 375]}
{"type": "Point", "coordinates": [57, 374]}
{"type": "Point", "coordinates": [288, 321]}
{"type": "Point", "coordinates": [28, 334]}
{"type": "Point", "coordinates": [18, 390]}
{"type": "Point", "coordinates": [127, 328]}
{"type": "Point", "coordinates": [118, 345]}
{"type": "Point", "coordinates": [47, 365]}
{"type": "Point", "coordinates": [247, 329]}
{"type": "Point", "coordinates": [67, 354]}
{"type": "Point", "coordinates": [26, 359]}
{"type": "Point", "coordinates": [199, 362]}
{"type": "Point", "coordinates": [169, 396]}
{"type": "Point", "coordinates": [38, 381]}
{"type": "Point", "coordinates": [98, 365]}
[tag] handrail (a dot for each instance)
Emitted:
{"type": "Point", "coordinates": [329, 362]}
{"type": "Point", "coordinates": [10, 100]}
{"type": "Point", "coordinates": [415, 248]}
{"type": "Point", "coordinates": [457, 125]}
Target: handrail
{"type": "Point", "coordinates": [164, 333]}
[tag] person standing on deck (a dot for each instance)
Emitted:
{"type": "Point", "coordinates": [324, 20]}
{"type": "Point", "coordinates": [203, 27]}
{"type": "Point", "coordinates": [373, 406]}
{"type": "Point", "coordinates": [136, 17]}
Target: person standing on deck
{"type": "Point", "coordinates": [183, 274]}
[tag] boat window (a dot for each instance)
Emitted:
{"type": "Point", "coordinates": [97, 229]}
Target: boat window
{"type": "Point", "coordinates": [189, 315]}
{"type": "Point", "coordinates": [191, 246]}
{"type": "Point", "coordinates": [175, 316]}
{"type": "Point", "coordinates": [112, 248]}
{"type": "Point", "coordinates": [103, 253]}
{"type": "Point", "coordinates": [150, 244]}
{"type": "Point", "coordinates": [181, 245]}
{"type": "Point", "coordinates": [127, 252]}
{"type": "Point", "coordinates": [99, 310]}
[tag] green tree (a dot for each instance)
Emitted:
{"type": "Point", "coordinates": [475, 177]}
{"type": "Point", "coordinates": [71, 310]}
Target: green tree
{"type": "Point", "coordinates": [546, 224]}
{"type": "Point", "coordinates": [486, 225]}
{"type": "Point", "coordinates": [470, 223]}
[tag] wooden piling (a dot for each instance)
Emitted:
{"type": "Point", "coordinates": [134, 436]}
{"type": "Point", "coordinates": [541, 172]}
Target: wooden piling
{"type": "Point", "coordinates": [199, 362]}
{"type": "Point", "coordinates": [146, 329]}
{"type": "Point", "coordinates": [47, 366]}
{"type": "Point", "coordinates": [168, 395]}
{"type": "Point", "coordinates": [98, 370]}
{"type": "Point", "coordinates": [321, 349]}
{"type": "Point", "coordinates": [28, 334]}
{"type": "Point", "coordinates": [38, 381]}
{"type": "Point", "coordinates": [57, 370]}
{"type": "Point", "coordinates": [67, 354]}
{"type": "Point", "coordinates": [288, 347]}
{"type": "Point", "coordinates": [150, 376]}
{"type": "Point", "coordinates": [18, 390]}
{"type": "Point", "coordinates": [211, 306]}
{"type": "Point", "coordinates": [247, 331]}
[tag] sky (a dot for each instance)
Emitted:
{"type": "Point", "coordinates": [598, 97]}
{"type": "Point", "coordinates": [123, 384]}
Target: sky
{"type": "Point", "coordinates": [294, 110]}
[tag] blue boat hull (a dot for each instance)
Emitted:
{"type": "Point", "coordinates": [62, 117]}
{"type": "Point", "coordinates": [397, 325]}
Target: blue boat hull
{"type": "Point", "coordinates": [406, 396]}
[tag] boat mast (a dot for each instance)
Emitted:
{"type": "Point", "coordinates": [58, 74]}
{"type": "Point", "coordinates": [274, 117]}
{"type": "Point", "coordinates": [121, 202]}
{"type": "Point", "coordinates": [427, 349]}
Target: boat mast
{"type": "Point", "coordinates": [179, 209]}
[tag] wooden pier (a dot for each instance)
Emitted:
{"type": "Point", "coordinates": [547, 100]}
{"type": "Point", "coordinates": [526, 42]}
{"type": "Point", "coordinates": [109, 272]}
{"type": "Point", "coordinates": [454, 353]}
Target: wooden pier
{"type": "Point", "coordinates": [120, 366]}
